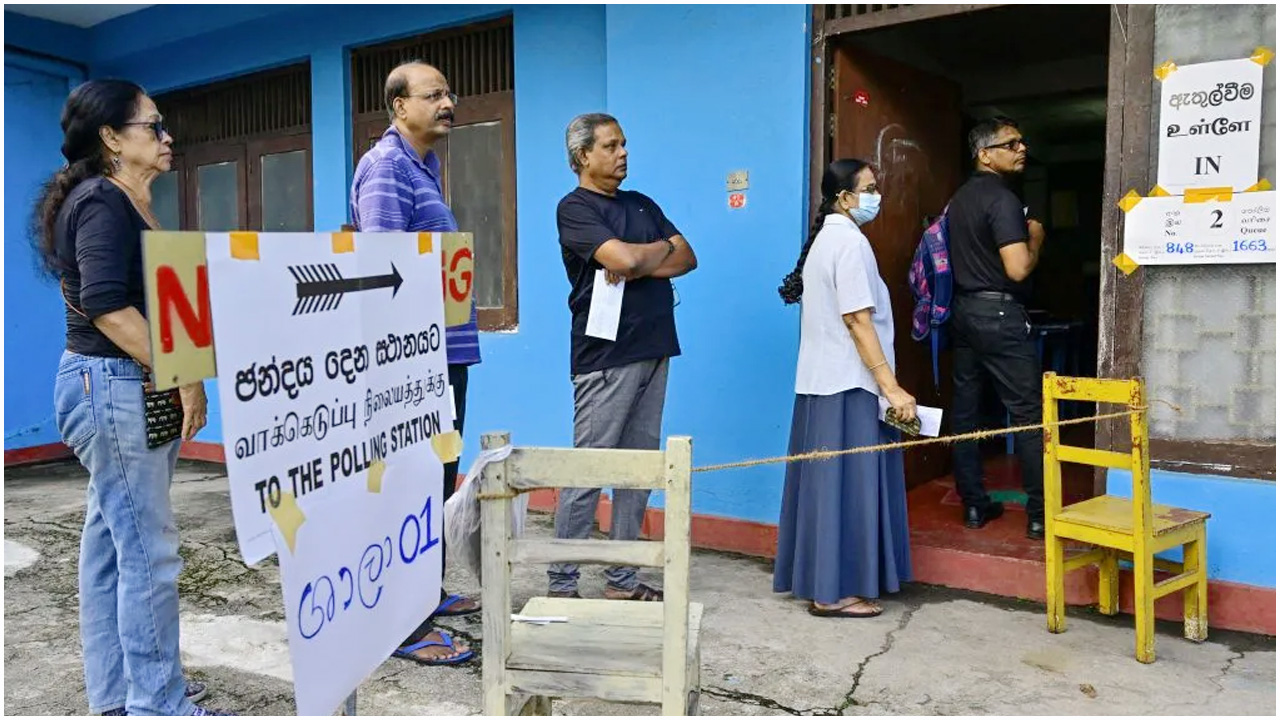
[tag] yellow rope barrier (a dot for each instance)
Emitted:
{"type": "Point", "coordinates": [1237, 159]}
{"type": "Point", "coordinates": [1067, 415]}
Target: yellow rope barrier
{"type": "Point", "coordinates": [944, 440]}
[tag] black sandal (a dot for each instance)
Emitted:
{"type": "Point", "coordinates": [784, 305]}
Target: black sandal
{"type": "Point", "coordinates": [641, 593]}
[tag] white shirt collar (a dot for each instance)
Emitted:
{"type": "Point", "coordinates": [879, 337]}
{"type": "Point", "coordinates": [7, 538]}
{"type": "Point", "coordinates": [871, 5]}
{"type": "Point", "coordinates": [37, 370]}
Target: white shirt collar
{"type": "Point", "coordinates": [839, 219]}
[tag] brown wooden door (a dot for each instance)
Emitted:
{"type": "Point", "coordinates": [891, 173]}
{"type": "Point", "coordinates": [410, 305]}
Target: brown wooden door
{"type": "Point", "coordinates": [365, 132]}
{"type": "Point", "coordinates": [908, 124]}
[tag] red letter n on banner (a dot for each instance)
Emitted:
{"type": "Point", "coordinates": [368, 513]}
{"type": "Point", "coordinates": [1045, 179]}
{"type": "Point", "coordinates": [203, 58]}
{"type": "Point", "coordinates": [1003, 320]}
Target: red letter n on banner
{"type": "Point", "coordinates": [173, 298]}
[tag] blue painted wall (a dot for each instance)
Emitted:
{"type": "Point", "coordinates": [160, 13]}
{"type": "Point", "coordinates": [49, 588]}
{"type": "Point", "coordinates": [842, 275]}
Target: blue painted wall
{"type": "Point", "coordinates": [1242, 531]}
{"type": "Point", "coordinates": [701, 92]}
{"type": "Point", "coordinates": [522, 385]}
{"type": "Point", "coordinates": [47, 37]}
{"type": "Point", "coordinates": [34, 90]}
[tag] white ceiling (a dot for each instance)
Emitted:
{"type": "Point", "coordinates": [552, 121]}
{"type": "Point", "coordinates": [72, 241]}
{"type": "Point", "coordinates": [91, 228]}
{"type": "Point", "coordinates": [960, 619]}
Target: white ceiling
{"type": "Point", "coordinates": [79, 15]}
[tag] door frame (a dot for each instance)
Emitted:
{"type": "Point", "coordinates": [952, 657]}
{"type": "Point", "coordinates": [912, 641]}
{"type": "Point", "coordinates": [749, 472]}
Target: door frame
{"type": "Point", "coordinates": [822, 71]}
{"type": "Point", "coordinates": [1127, 166]}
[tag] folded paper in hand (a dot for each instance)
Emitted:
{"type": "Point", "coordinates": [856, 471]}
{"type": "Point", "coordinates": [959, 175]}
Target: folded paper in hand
{"type": "Point", "coordinates": [930, 418]}
{"type": "Point", "coordinates": [606, 308]}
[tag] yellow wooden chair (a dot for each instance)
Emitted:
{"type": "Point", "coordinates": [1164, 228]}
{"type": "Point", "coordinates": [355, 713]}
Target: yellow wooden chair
{"type": "Point", "coordinates": [617, 650]}
{"type": "Point", "coordinates": [1120, 528]}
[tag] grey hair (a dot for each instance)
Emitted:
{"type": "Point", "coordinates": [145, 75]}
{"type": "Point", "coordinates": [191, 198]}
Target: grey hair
{"type": "Point", "coordinates": [398, 85]}
{"type": "Point", "coordinates": [983, 135]}
{"type": "Point", "coordinates": [580, 137]}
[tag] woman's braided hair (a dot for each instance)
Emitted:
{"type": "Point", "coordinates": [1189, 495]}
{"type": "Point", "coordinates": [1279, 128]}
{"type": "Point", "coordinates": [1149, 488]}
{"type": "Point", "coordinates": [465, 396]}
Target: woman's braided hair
{"type": "Point", "coordinates": [840, 176]}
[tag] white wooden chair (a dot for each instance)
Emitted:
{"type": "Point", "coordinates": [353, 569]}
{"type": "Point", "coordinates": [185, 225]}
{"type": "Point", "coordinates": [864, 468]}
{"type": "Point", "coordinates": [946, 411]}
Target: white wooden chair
{"type": "Point", "coordinates": [615, 650]}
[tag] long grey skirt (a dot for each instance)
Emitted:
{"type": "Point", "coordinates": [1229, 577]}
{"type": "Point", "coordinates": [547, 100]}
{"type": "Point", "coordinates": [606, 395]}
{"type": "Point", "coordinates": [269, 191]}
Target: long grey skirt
{"type": "Point", "coordinates": [843, 529]}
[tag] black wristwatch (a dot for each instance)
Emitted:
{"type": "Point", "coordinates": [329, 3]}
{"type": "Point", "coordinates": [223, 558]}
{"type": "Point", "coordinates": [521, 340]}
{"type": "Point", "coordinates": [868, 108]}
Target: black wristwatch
{"type": "Point", "coordinates": [670, 245]}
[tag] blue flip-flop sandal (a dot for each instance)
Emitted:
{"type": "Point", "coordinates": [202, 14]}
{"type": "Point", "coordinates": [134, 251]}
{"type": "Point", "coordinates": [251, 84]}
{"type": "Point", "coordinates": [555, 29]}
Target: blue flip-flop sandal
{"type": "Point", "coordinates": [443, 609]}
{"type": "Point", "coordinates": [407, 651]}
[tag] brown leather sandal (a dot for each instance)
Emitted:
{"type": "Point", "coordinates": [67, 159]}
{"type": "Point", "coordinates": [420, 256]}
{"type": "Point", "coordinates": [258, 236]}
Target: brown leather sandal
{"type": "Point", "coordinates": [843, 611]}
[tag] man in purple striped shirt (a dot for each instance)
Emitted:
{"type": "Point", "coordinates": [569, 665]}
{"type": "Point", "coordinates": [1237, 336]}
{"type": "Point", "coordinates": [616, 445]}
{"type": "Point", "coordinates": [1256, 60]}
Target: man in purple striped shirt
{"type": "Point", "coordinates": [397, 189]}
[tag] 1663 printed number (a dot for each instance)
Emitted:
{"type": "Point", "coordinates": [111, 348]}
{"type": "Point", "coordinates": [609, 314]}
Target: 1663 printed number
{"type": "Point", "coordinates": [318, 604]}
{"type": "Point", "coordinates": [1250, 246]}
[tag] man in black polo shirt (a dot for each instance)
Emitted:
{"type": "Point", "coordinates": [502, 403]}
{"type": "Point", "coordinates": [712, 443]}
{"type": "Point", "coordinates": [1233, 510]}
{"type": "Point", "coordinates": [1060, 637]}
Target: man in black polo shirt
{"type": "Point", "coordinates": [619, 386]}
{"type": "Point", "coordinates": [994, 249]}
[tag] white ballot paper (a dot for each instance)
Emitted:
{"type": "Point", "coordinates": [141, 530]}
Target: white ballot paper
{"type": "Point", "coordinates": [930, 418]}
{"type": "Point", "coordinates": [606, 308]}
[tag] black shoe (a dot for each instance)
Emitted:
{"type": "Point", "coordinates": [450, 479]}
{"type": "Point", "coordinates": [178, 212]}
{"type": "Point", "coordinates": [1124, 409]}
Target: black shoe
{"type": "Point", "coordinates": [196, 691]}
{"type": "Point", "coordinates": [975, 517]}
{"type": "Point", "coordinates": [1035, 529]}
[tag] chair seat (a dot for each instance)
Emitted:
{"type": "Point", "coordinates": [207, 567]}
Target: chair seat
{"type": "Point", "coordinates": [602, 637]}
{"type": "Point", "coordinates": [1115, 514]}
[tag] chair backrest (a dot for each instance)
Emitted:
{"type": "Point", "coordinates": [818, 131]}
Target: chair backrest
{"type": "Point", "coordinates": [529, 468]}
{"type": "Point", "coordinates": [1131, 394]}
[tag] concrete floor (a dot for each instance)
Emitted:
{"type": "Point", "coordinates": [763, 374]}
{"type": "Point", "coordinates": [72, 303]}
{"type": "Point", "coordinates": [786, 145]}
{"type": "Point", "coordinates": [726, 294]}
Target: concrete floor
{"type": "Point", "coordinates": [934, 651]}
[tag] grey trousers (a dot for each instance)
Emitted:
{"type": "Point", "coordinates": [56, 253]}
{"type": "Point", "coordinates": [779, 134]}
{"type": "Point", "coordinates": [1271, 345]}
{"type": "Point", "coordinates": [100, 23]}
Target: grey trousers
{"type": "Point", "coordinates": [618, 407]}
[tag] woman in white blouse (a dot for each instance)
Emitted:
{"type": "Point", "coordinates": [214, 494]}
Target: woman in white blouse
{"type": "Point", "coordinates": [842, 535]}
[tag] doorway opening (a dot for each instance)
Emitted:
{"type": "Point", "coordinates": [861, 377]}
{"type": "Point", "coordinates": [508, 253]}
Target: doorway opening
{"type": "Point", "coordinates": [904, 96]}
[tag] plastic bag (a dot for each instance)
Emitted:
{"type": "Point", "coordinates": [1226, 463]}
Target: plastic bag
{"type": "Point", "coordinates": [462, 514]}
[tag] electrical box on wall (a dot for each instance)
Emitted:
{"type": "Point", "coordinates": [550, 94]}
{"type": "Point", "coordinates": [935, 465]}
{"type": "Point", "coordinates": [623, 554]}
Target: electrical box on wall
{"type": "Point", "coordinates": [736, 181]}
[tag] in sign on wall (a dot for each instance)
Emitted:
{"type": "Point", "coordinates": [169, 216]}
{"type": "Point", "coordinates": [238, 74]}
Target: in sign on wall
{"type": "Point", "coordinates": [1209, 206]}
{"type": "Point", "coordinates": [1210, 123]}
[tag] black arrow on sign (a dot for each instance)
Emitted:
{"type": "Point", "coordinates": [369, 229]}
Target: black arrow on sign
{"type": "Point", "coordinates": [322, 287]}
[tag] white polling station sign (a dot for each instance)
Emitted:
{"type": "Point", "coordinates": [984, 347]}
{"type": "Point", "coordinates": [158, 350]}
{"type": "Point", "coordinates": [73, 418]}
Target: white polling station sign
{"type": "Point", "coordinates": [337, 419]}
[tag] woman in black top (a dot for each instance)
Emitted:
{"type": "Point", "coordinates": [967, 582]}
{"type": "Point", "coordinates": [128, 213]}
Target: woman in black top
{"type": "Point", "coordinates": [90, 219]}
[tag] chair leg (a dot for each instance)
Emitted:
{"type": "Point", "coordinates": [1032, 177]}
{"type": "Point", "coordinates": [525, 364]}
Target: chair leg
{"type": "Point", "coordinates": [1195, 599]}
{"type": "Point", "coordinates": [1144, 607]}
{"type": "Point", "coordinates": [1109, 583]}
{"type": "Point", "coordinates": [695, 684]}
{"type": "Point", "coordinates": [1055, 589]}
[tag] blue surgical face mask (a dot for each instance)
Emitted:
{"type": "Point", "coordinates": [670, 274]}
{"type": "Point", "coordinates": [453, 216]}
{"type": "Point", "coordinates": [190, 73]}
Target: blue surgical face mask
{"type": "Point", "coordinates": [868, 208]}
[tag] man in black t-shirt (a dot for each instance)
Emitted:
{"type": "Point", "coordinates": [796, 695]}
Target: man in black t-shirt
{"type": "Point", "coordinates": [619, 386]}
{"type": "Point", "coordinates": [994, 249]}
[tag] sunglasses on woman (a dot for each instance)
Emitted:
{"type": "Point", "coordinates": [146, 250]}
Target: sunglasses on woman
{"type": "Point", "coordinates": [157, 127]}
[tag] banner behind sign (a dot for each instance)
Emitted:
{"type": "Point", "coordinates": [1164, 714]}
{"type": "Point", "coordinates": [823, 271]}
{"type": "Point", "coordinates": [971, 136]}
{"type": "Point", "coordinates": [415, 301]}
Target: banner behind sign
{"type": "Point", "coordinates": [334, 393]}
{"type": "Point", "coordinates": [178, 308]}
{"type": "Point", "coordinates": [458, 266]}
